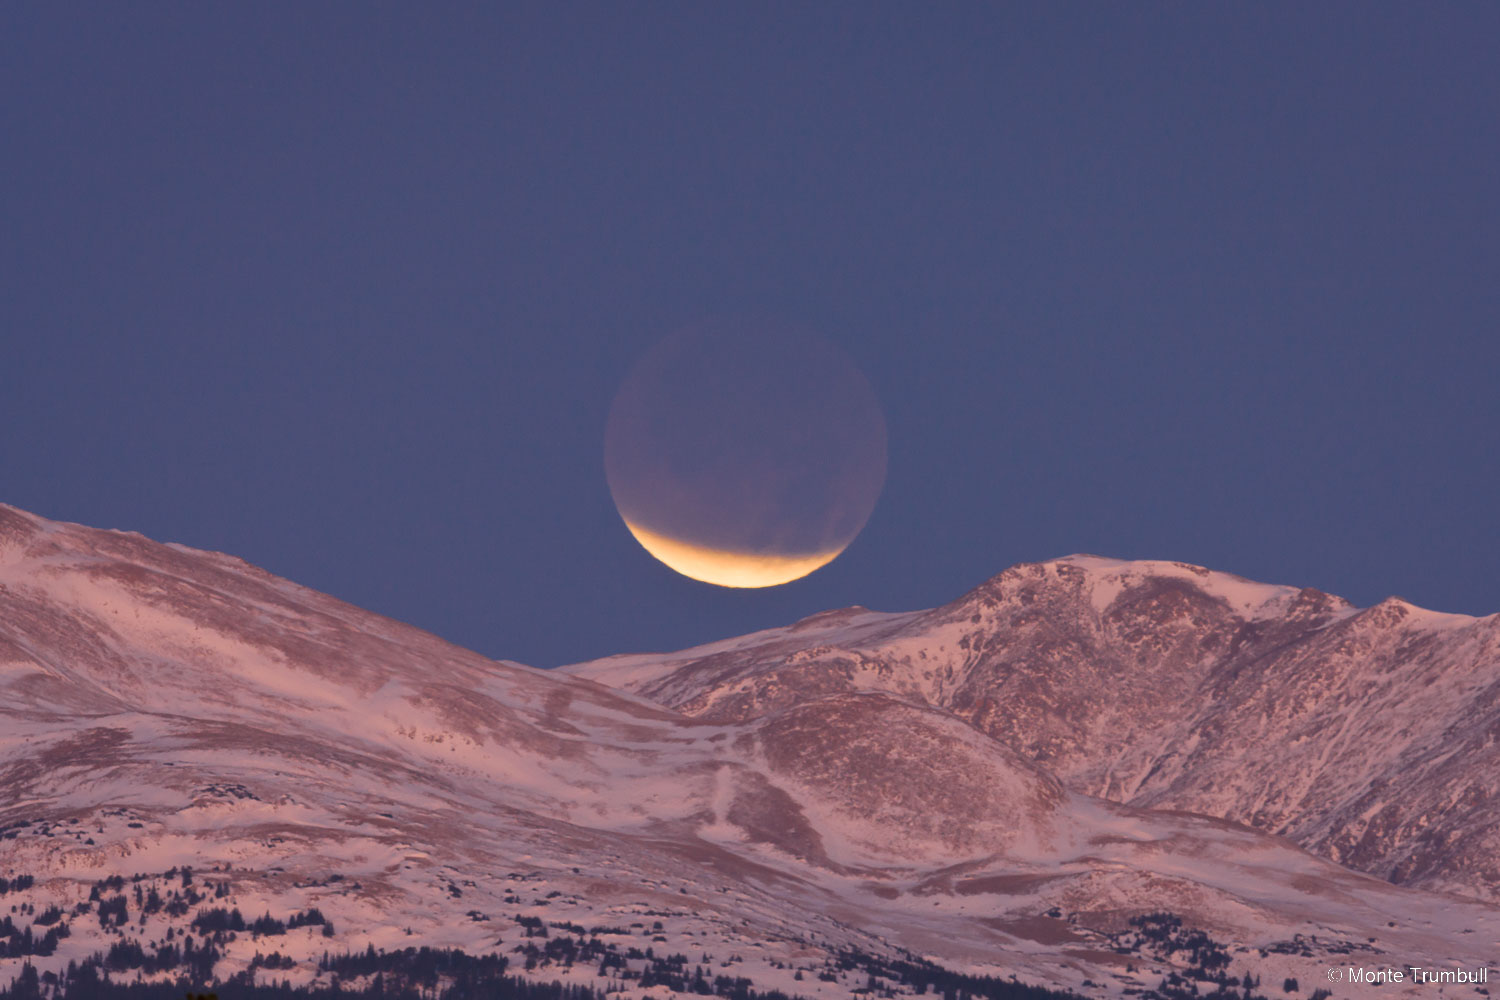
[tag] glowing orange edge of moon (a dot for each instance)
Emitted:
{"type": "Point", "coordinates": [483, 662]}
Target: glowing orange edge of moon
{"type": "Point", "coordinates": [727, 568]}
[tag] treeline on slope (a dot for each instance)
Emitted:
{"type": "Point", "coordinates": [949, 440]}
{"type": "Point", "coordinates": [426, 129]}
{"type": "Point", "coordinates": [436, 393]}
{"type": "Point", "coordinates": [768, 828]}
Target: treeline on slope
{"type": "Point", "coordinates": [1204, 962]}
{"type": "Point", "coordinates": [437, 974]}
{"type": "Point", "coordinates": [21, 942]}
{"type": "Point", "coordinates": [29, 987]}
{"type": "Point", "coordinates": [215, 919]}
{"type": "Point", "coordinates": [925, 977]}
{"type": "Point", "coordinates": [109, 902]}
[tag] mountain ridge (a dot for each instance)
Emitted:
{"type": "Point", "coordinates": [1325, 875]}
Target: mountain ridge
{"type": "Point", "coordinates": [1028, 656]}
{"type": "Point", "coordinates": [162, 707]}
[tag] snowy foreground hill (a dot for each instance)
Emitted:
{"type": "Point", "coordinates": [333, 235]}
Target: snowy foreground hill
{"type": "Point", "coordinates": [1095, 777]}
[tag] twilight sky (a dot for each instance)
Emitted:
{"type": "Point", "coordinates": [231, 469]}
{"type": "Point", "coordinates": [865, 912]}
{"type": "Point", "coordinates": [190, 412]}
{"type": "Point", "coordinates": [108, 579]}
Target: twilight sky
{"type": "Point", "coordinates": [347, 289]}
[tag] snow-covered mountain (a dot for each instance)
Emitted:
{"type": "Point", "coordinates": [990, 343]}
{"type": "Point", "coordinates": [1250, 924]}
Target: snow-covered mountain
{"type": "Point", "coordinates": [183, 735]}
{"type": "Point", "coordinates": [1369, 736]}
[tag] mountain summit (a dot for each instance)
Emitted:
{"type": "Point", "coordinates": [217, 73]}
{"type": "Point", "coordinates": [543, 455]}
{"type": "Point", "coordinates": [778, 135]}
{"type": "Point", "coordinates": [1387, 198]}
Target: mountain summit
{"type": "Point", "coordinates": [1370, 736]}
{"type": "Point", "coordinates": [212, 775]}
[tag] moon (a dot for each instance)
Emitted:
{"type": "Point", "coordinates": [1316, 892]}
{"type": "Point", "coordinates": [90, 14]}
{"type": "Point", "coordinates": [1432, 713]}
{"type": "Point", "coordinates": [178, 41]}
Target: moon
{"type": "Point", "coordinates": [743, 455]}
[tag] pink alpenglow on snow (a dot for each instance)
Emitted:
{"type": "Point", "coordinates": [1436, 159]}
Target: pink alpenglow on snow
{"type": "Point", "coordinates": [1012, 784]}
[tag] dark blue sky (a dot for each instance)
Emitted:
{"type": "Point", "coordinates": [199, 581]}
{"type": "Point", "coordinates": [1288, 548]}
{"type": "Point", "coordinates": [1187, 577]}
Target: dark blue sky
{"type": "Point", "coordinates": [346, 289]}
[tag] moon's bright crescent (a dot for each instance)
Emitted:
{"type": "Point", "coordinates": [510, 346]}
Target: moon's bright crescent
{"type": "Point", "coordinates": [729, 569]}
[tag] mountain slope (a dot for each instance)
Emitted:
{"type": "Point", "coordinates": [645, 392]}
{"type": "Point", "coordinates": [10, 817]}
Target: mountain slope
{"type": "Point", "coordinates": [1369, 736]}
{"type": "Point", "coordinates": [164, 709]}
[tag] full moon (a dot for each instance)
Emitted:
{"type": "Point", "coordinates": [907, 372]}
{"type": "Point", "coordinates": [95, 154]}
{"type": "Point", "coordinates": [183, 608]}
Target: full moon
{"type": "Point", "coordinates": [744, 456]}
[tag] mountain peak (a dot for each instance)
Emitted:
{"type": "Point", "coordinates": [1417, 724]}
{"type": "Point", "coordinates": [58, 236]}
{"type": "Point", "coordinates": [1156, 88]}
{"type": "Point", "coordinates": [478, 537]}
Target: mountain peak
{"type": "Point", "coordinates": [1169, 685]}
